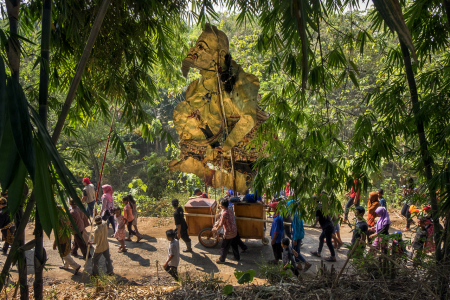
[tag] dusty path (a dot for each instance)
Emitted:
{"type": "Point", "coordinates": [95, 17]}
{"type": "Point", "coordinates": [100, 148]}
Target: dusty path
{"type": "Point", "coordinates": [139, 263]}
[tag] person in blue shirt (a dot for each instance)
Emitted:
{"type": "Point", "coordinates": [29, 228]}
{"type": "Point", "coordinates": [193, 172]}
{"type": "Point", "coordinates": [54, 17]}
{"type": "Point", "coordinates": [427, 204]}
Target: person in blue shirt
{"type": "Point", "coordinates": [252, 198]}
{"type": "Point", "coordinates": [298, 231]}
{"type": "Point", "coordinates": [276, 233]}
{"type": "Point", "coordinates": [381, 199]}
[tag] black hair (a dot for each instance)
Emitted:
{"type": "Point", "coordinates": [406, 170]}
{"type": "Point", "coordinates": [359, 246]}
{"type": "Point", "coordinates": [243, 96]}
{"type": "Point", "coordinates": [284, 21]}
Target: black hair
{"type": "Point", "coordinates": [285, 241]}
{"type": "Point", "coordinates": [125, 199]}
{"type": "Point", "coordinates": [131, 199]}
{"type": "Point", "coordinates": [381, 191]}
{"type": "Point", "coordinates": [360, 209]}
{"type": "Point", "coordinates": [98, 219]}
{"type": "Point", "coordinates": [4, 194]}
{"type": "Point", "coordinates": [170, 233]}
{"type": "Point", "coordinates": [117, 208]}
{"type": "Point", "coordinates": [227, 76]}
{"type": "Point", "coordinates": [197, 190]}
{"type": "Point", "coordinates": [224, 203]}
{"type": "Point", "coordinates": [175, 202]}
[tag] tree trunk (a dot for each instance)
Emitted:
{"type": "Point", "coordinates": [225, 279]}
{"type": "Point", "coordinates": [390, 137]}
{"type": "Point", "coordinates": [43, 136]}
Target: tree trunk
{"type": "Point", "coordinates": [13, 8]}
{"type": "Point", "coordinates": [22, 261]}
{"type": "Point", "coordinates": [426, 157]}
{"type": "Point", "coordinates": [81, 66]}
{"type": "Point", "coordinates": [446, 4]}
{"type": "Point", "coordinates": [39, 254]}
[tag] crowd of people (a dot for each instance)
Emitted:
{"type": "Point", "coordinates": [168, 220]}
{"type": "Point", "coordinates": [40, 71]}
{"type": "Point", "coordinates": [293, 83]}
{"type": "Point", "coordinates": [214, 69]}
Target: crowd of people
{"type": "Point", "coordinates": [287, 230]}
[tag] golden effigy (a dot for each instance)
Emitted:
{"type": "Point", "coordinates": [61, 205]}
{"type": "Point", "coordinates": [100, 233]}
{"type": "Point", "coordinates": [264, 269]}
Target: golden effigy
{"type": "Point", "coordinates": [212, 145]}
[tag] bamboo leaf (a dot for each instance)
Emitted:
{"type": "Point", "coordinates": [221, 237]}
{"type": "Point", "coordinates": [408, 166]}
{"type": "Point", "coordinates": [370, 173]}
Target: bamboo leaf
{"type": "Point", "coordinates": [9, 158]}
{"type": "Point", "coordinates": [20, 125]}
{"type": "Point", "coordinates": [354, 67]}
{"type": "Point", "coordinates": [353, 78]}
{"type": "Point", "coordinates": [65, 176]}
{"type": "Point", "coordinates": [43, 191]}
{"type": "Point", "coordinates": [15, 190]}
{"type": "Point", "coordinates": [2, 98]}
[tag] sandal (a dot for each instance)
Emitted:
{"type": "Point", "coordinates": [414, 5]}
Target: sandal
{"type": "Point", "coordinates": [330, 259]}
{"type": "Point", "coordinates": [307, 266]}
{"type": "Point", "coordinates": [128, 240]}
{"type": "Point", "coordinates": [315, 253]}
{"type": "Point", "coordinates": [218, 261]}
{"type": "Point", "coordinates": [123, 250]}
{"type": "Point", "coordinates": [139, 238]}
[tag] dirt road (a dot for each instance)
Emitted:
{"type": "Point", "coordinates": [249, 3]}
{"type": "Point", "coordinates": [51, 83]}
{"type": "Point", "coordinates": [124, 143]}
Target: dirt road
{"type": "Point", "coordinates": [139, 264]}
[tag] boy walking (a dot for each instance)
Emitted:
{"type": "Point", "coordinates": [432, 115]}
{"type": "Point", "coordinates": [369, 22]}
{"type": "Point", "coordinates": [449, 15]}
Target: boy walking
{"type": "Point", "coordinates": [276, 233]}
{"type": "Point", "coordinates": [381, 199]}
{"type": "Point", "coordinates": [361, 227]}
{"type": "Point", "coordinates": [173, 256]}
{"type": "Point", "coordinates": [102, 247]}
{"type": "Point", "coordinates": [180, 222]}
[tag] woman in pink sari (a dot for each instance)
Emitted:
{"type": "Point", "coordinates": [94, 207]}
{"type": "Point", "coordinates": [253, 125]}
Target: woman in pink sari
{"type": "Point", "coordinates": [107, 212]}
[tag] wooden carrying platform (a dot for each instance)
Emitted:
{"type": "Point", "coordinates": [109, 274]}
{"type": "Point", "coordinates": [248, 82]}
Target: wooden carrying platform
{"type": "Point", "coordinates": [247, 228]}
{"type": "Point", "coordinates": [204, 210]}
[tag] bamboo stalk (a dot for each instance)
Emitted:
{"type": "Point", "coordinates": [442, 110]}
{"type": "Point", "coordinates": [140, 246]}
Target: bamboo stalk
{"type": "Point", "coordinates": [345, 264]}
{"type": "Point", "coordinates": [96, 196]}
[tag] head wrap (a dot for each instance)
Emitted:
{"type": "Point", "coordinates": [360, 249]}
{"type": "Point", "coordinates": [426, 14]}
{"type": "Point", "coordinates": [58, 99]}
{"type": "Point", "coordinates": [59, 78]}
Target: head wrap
{"type": "Point", "coordinates": [86, 180]}
{"type": "Point", "coordinates": [384, 218]}
{"type": "Point", "coordinates": [413, 209]}
{"type": "Point", "coordinates": [107, 192]}
{"type": "Point", "coordinates": [427, 208]}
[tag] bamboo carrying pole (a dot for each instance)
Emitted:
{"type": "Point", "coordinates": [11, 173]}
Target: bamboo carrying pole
{"type": "Point", "coordinates": [224, 118]}
{"type": "Point", "coordinates": [96, 194]}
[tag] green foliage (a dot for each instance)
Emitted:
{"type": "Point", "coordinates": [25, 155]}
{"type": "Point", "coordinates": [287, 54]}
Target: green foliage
{"type": "Point", "coordinates": [228, 289]}
{"type": "Point", "coordinates": [273, 273]}
{"type": "Point", "coordinates": [244, 276]}
{"type": "Point", "coordinates": [137, 187]}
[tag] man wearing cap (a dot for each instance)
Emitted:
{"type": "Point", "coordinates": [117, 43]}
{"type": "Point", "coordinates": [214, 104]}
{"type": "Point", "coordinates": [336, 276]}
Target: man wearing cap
{"type": "Point", "coordinates": [88, 195]}
{"type": "Point", "coordinates": [198, 193]}
{"type": "Point", "coordinates": [6, 225]}
{"type": "Point", "coordinates": [180, 222]}
{"type": "Point", "coordinates": [276, 233]}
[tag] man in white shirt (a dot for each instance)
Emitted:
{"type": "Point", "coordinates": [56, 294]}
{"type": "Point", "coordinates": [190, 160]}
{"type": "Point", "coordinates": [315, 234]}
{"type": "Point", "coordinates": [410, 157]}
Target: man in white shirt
{"type": "Point", "coordinates": [88, 195]}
